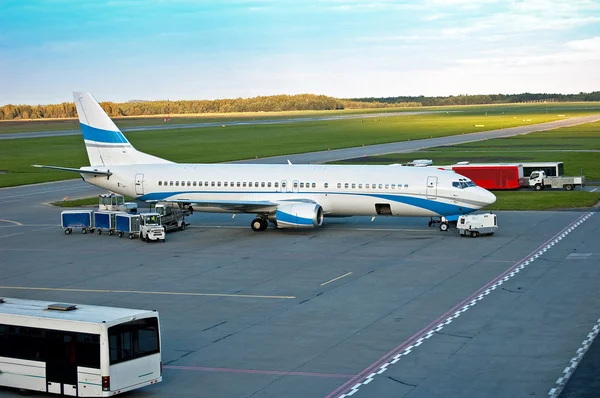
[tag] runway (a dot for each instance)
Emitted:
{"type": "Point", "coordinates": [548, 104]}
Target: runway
{"type": "Point", "coordinates": [61, 133]}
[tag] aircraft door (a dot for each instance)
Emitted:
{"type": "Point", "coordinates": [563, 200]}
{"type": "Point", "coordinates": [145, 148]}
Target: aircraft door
{"type": "Point", "coordinates": [431, 192]}
{"type": "Point", "coordinates": [139, 184]}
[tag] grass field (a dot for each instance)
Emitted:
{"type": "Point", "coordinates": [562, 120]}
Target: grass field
{"type": "Point", "coordinates": [547, 200]}
{"type": "Point", "coordinates": [242, 142]}
{"type": "Point", "coordinates": [22, 126]}
{"type": "Point", "coordinates": [568, 109]}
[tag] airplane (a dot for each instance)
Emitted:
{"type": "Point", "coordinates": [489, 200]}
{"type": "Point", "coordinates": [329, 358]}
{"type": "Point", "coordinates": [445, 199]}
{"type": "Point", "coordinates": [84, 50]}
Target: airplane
{"type": "Point", "coordinates": [287, 195]}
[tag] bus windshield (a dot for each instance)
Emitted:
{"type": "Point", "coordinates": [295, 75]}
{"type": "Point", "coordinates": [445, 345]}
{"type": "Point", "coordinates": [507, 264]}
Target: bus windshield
{"type": "Point", "coordinates": [132, 340]}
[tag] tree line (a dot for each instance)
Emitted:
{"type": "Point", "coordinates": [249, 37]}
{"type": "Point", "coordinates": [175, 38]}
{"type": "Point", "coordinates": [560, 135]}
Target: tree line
{"type": "Point", "coordinates": [273, 103]}
{"type": "Point", "coordinates": [486, 99]}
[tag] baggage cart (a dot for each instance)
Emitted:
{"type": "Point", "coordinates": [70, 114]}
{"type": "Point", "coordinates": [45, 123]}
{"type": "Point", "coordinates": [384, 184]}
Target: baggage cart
{"type": "Point", "coordinates": [105, 221]}
{"type": "Point", "coordinates": [128, 224]}
{"type": "Point", "coordinates": [83, 219]}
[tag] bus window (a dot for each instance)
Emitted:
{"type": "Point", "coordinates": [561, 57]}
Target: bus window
{"type": "Point", "coordinates": [133, 340]}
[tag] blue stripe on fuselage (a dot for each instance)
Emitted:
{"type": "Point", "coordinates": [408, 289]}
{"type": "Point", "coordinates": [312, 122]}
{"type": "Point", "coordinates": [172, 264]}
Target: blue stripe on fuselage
{"type": "Point", "coordinates": [98, 135]}
{"type": "Point", "coordinates": [441, 208]}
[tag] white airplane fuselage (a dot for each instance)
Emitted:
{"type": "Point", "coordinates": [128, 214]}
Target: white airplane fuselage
{"type": "Point", "coordinates": [341, 190]}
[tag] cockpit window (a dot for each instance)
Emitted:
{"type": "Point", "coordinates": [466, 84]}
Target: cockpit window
{"type": "Point", "coordinates": [463, 183]}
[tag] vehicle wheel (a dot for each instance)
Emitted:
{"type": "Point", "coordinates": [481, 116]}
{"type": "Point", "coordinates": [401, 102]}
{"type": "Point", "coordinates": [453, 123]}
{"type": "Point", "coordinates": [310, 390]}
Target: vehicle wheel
{"type": "Point", "coordinates": [430, 223]}
{"type": "Point", "coordinates": [92, 230]}
{"type": "Point", "coordinates": [474, 234]}
{"type": "Point", "coordinates": [162, 240]}
{"type": "Point", "coordinates": [83, 231]}
{"type": "Point", "coordinates": [569, 187]}
{"type": "Point", "coordinates": [256, 225]}
{"type": "Point", "coordinates": [111, 232]}
{"type": "Point", "coordinates": [130, 236]}
{"type": "Point", "coordinates": [99, 232]}
{"type": "Point", "coordinates": [538, 187]}
{"type": "Point", "coordinates": [68, 231]}
{"type": "Point", "coordinates": [121, 234]}
{"type": "Point", "coordinates": [443, 226]}
{"type": "Point", "coordinates": [182, 225]}
{"type": "Point", "coordinates": [265, 224]}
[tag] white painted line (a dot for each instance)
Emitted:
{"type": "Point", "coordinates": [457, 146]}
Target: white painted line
{"type": "Point", "coordinates": [562, 381]}
{"type": "Point", "coordinates": [594, 190]}
{"type": "Point", "coordinates": [383, 367]}
{"type": "Point", "coordinates": [6, 236]}
{"type": "Point", "coordinates": [335, 279]}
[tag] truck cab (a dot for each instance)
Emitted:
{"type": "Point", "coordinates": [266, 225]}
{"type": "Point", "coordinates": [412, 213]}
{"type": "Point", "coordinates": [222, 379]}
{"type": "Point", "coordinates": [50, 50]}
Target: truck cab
{"type": "Point", "coordinates": [151, 227]}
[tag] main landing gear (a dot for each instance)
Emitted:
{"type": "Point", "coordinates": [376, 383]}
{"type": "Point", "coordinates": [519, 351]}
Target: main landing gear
{"type": "Point", "coordinates": [443, 223]}
{"type": "Point", "coordinates": [259, 224]}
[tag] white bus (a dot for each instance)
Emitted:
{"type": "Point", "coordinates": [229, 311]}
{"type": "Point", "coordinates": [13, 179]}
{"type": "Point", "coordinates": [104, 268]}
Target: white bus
{"type": "Point", "coordinates": [77, 350]}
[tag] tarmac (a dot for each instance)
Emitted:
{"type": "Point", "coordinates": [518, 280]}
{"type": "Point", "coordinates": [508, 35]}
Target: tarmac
{"type": "Point", "coordinates": [389, 308]}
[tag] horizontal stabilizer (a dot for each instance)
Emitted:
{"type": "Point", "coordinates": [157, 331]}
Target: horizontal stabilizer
{"type": "Point", "coordinates": [88, 170]}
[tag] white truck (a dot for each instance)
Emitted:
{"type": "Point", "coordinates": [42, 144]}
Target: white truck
{"type": "Point", "coordinates": [477, 224]}
{"type": "Point", "coordinates": [538, 181]}
{"type": "Point", "coordinates": [172, 217]}
{"type": "Point", "coordinates": [114, 202]}
{"type": "Point", "coordinates": [151, 227]}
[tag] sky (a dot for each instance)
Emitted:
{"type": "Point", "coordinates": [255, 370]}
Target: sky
{"type": "Point", "coordinates": [122, 50]}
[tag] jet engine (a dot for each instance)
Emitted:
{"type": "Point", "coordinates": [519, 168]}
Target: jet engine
{"type": "Point", "coordinates": [298, 215]}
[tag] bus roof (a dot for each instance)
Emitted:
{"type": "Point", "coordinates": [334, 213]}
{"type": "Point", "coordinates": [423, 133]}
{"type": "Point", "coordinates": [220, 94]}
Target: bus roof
{"type": "Point", "coordinates": [83, 313]}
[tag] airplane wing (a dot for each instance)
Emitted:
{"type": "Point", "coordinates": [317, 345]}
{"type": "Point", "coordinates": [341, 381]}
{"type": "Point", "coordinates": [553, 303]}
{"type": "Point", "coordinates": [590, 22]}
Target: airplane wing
{"type": "Point", "coordinates": [89, 170]}
{"type": "Point", "coordinates": [237, 206]}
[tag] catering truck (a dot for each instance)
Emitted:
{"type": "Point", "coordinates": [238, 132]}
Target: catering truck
{"type": "Point", "coordinates": [538, 180]}
{"type": "Point", "coordinates": [491, 176]}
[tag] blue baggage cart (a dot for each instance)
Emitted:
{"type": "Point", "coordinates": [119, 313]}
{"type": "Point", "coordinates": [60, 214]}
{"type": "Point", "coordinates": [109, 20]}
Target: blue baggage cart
{"type": "Point", "coordinates": [83, 219]}
{"type": "Point", "coordinates": [128, 224]}
{"type": "Point", "coordinates": [105, 221]}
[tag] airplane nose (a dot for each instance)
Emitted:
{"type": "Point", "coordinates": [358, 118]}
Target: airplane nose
{"type": "Point", "coordinates": [486, 197]}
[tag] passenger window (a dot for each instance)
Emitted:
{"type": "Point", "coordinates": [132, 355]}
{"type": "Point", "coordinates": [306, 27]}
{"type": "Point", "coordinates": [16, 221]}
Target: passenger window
{"type": "Point", "coordinates": [326, 185]}
{"type": "Point", "coordinates": [183, 183]}
{"type": "Point", "coordinates": [387, 186]}
{"type": "Point", "coordinates": [380, 186]}
{"type": "Point", "coordinates": [199, 183]}
{"type": "Point", "coordinates": [353, 186]}
{"type": "Point", "coordinates": [314, 184]}
{"type": "Point", "coordinates": [160, 183]}
{"type": "Point", "coordinates": [295, 185]}
{"type": "Point", "coordinates": [170, 183]}
{"type": "Point", "coordinates": [238, 184]}
{"type": "Point", "coordinates": [189, 183]}
{"type": "Point", "coordinates": [205, 183]}
{"type": "Point", "coordinates": [405, 185]}
{"type": "Point", "coordinates": [256, 184]}
{"type": "Point", "coordinates": [276, 185]}
{"type": "Point", "coordinates": [346, 185]}
{"type": "Point", "coordinates": [393, 186]}
{"type": "Point", "coordinates": [225, 184]}
{"type": "Point", "coordinates": [262, 184]}
{"type": "Point", "coordinates": [268, 185]}
{"type": "Point", "coordinates": [231, 184]}
{"type": "Point", "coordinates": [367, 186]}
{"type": "Point", "coordinates": [283, 184]}
{"type": "Point", "coordinates": [359, 186]}
{"type": "Point", "coordinates": [219, 183]}
{"type": "Point", "coordinates": [301, 185]}
{"type": "Point", "coordinates": [339, 185]}
{"type": "Point", "coordinates": [212, 183]}
{"type": "Point", "coordinates": [244, 184]}
{"type": "Point", "coordinates": [176, 183]}
{"type": "Point", "coordinates": [194, 183]}
{"type": "Point", "coordinates": [250, 184]}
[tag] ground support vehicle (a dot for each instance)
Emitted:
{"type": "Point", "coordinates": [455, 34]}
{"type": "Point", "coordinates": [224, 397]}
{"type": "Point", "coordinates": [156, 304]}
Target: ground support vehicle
{"type": "Point", "coordinates": [114, 202]}
{"type": "Point", "coordinates": [77, 350]}
{"type": "Point", "coordinates": [105, 221]}
{"type": "Point", "coordinates": [171, 216]}
{"type": "Point", "coordinates": [83, 219]}
{"type": "Point", "coordinates": [477, 224]}
{"type": "Point", "coordinates": [151, 227]}
{"type": "Point", "coordinates": [128, 224]}
{"type": "Point", "coordinates": [539, 180]}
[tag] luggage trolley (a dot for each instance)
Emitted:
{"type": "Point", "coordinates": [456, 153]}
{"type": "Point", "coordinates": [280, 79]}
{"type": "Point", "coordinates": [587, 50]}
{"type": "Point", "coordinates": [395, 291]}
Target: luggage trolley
{"type": "Point", "coordinates": [83, 219]}
{"type": "Point", "coordinates": [105, 221]}
{"type": "Point", "coordinates": [128, 224]}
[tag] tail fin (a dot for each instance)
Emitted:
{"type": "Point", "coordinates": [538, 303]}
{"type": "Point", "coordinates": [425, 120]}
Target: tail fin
{"type": "Point", "coordinates": [104, 142]}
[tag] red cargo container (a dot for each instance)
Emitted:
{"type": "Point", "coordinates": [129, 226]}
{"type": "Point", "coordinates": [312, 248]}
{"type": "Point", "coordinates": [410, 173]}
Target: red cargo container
{"type": "Point", "coordinates": [492, 176]}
